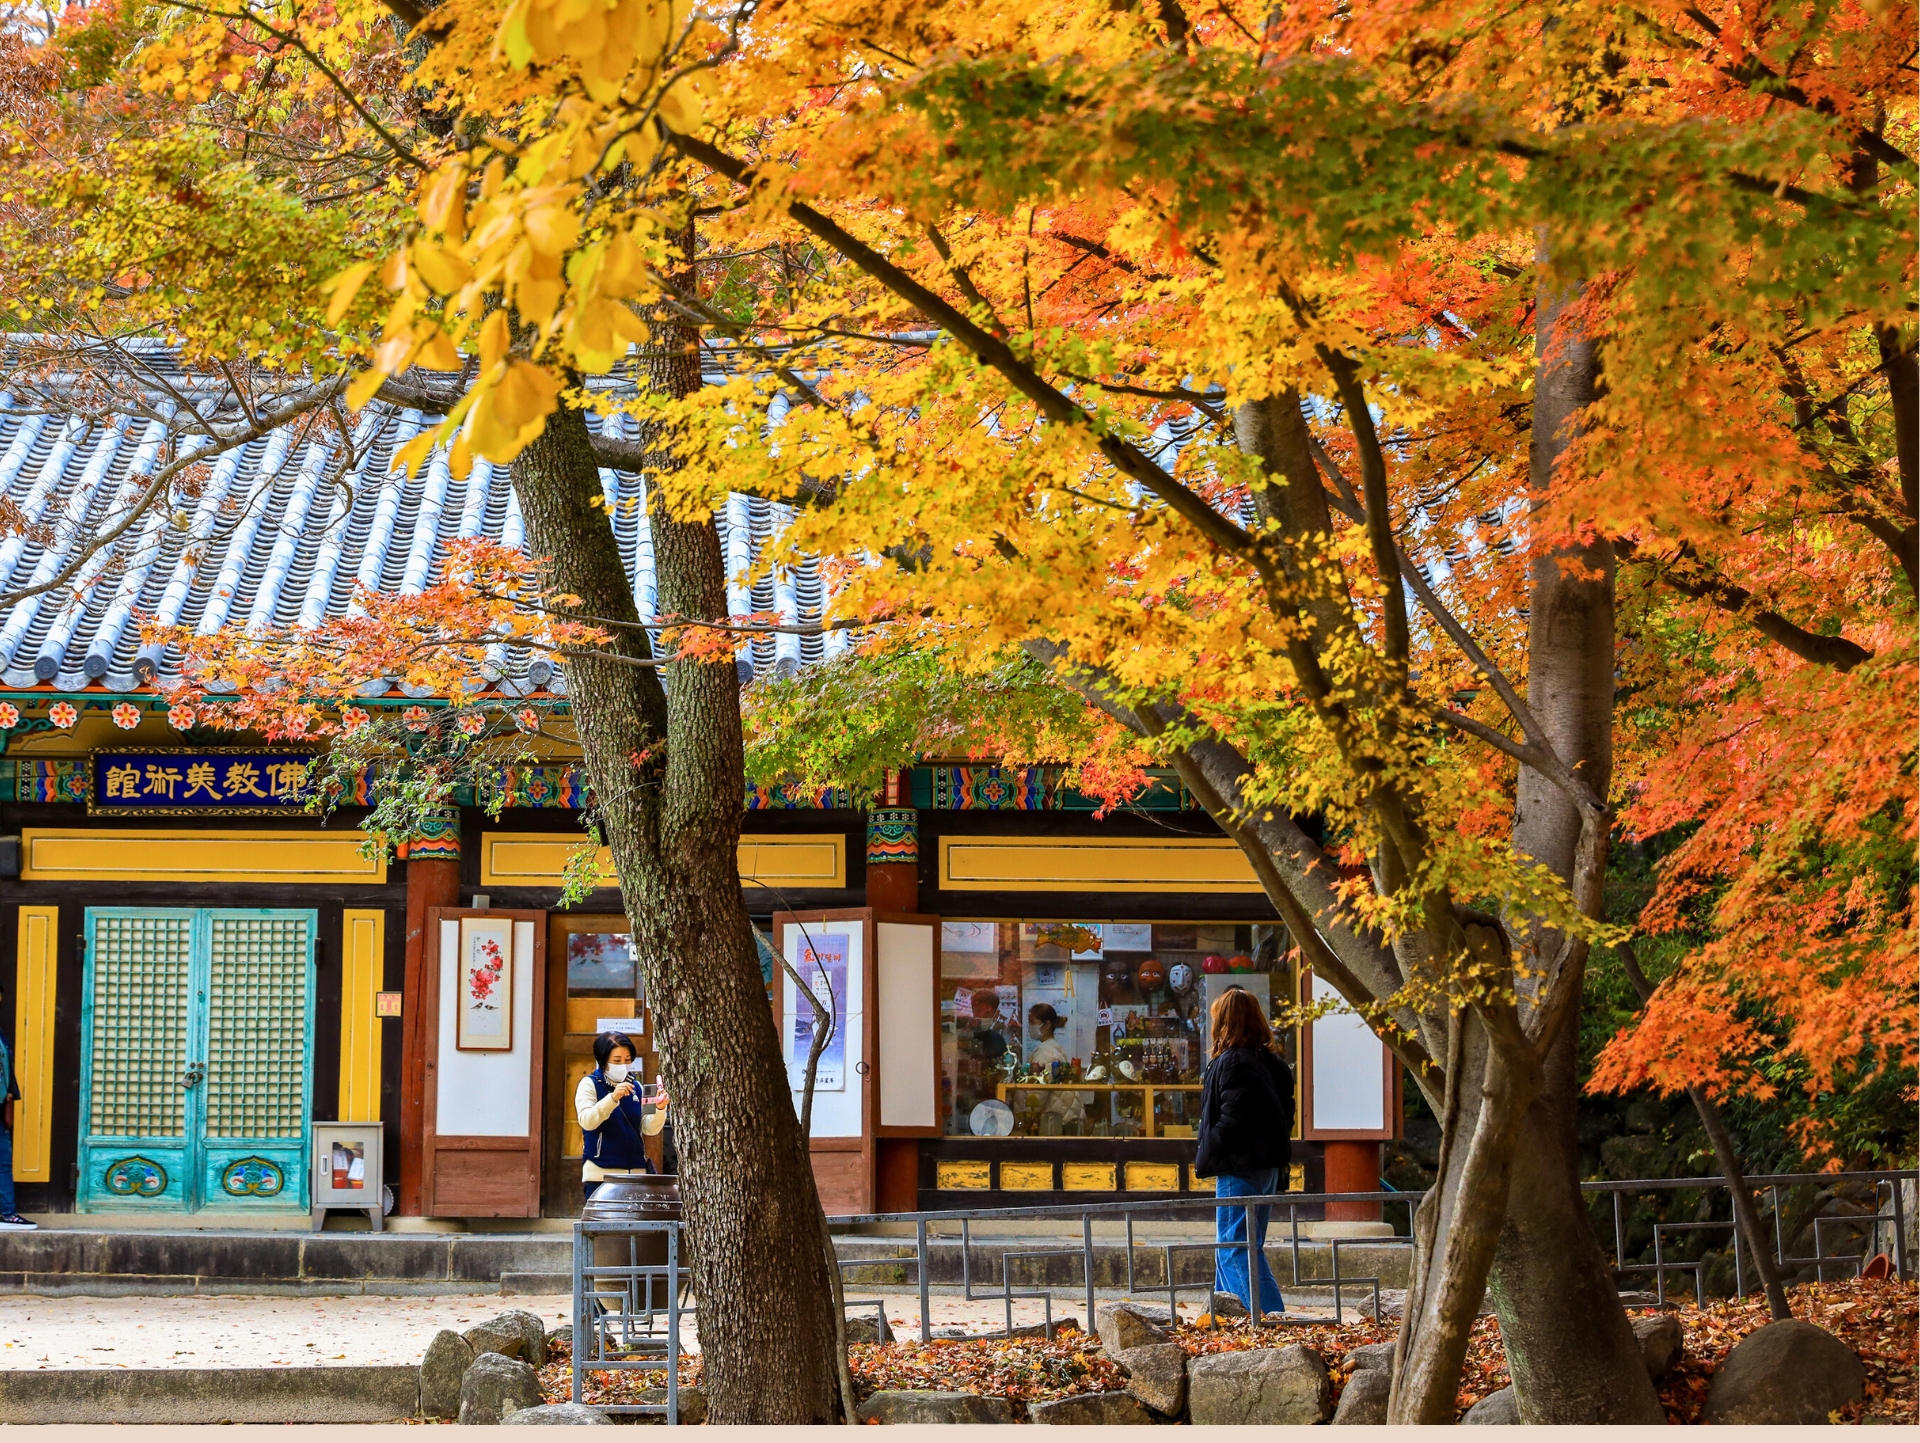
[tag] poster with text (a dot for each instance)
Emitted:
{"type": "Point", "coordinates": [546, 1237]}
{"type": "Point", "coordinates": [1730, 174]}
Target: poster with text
{"type": "Point", "coordinates": [823, 963]}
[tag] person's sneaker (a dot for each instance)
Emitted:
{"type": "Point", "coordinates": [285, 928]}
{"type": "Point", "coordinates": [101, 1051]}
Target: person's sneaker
{"type": "Point", "coordinates": [14, 1223]}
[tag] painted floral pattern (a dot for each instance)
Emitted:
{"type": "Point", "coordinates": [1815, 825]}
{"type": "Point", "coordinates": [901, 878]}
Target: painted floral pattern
{"type": "Point", "coordinates": [353, 718]}
{"type": "Point", "coordinates": [473, 723]}
{"type": "Point", "coordinates": [126, 716]}
{"type": "Point", "coordinates": [9, 716]}
{"type": "Point", "coordinates": [416, 718]}
{"type": "Point", "coordinates": [63, 714]}
{"type": "Point", "coordinates": [484, 975]}
{"type": "Point", "coordinates": [180, 717]}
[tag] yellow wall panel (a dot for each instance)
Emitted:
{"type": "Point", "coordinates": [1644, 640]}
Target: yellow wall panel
{"type": "Point", "coordinates": [1088, 864]}
{"type": "Point", "coordinates": [34, 988]}
{"type": "Point", "coordinates": [1026, 1176]}
{"type": "Point", "coordinates": [531, 859]}
{"type": "Point", "coordinates": [1086, 1176]}
{"type": "Point", "coordinates": [1153, 1177]}
{"type": "Point", "coordinates": [363, 953]}
{"type": "Point", "coordinates": [1198, 1184]}
{"type": "Point", "coordinates": [167, 855]}
{"type": "Point", "coordinates": [972, 1175]}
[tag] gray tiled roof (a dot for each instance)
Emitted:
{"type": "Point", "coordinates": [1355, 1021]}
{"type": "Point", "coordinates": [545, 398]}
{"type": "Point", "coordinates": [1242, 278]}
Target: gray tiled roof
{"type": "Point", "coordinates": [284, 530]}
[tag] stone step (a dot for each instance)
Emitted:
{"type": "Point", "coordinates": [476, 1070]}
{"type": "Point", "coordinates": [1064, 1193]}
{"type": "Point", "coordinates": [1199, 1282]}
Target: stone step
{"type": "Point", "coordinates": [372, 1394]}
{"type": "Point", "coordinates": [159, 1263]}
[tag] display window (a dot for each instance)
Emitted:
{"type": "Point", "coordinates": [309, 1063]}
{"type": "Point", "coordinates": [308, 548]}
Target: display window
{"type": "Point", "coordinates": [1092, 1029]}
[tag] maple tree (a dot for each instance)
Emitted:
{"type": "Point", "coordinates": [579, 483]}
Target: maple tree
{"type": "Point", "coordinates": [1304, 388]}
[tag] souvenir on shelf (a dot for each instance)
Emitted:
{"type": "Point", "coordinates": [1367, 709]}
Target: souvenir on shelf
{"type": "Point", "coordinates": [1150, 975]}
{"type": "Point", "coordinates": [1213, 962]}
{"type": "Point", "coordinates": [1240, 962]}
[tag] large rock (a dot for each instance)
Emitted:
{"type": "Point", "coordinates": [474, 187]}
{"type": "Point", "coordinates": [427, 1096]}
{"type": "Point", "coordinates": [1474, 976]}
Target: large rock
{"type": "Point", "coordinates": [495, 1336]}
{"type": "Point", "coordinates": [448, 1358]}
{"type": "Point", "coordinates": [693, 1404]}
{"type": "Point", "coordinates": [555, 1413]}
{"type": "Point", "coordinates": [1261, 1385]}
{"type": "Point", "coordinates": [533, 1334]}
{"type": "Point", "coordinates": [1364, 1399]}
{"type": "Point", "coordinates": [1787, 1372]}
{"type": "Point", "coordinates": [1369, 1356]}
{"type": "Point", "coordinates": [1661, 1342]}
{"type": "Point", "coordinates": [1090, 1408]}
{"type": "Point", "coordinates": [1157, 1376]}
{"type": "Point", "coordinates": [495, 1386]}
{"type": "Point", "coordinates": [1127, 1325]}
{"type": "Point", "coordinates": [1226, 1305]}
{"type": "Point", "coordinates": [901, 1405]}
{"type": "Point", "coordinates": [1500, 1407]}
{"type": "Point", "coordinates": [865, 1327]}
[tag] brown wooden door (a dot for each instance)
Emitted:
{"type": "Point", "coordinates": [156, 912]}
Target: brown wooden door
{"type": "Point", "coordinates": [485, 1054]}
{"type": "Point", "coordinates": [581, 991]}
{"type": "Point", "coordinates": [842, 1145]}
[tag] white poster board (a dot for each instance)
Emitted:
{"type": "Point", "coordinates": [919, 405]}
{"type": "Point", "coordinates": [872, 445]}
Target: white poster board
{"type": "Point", "coordinates": [837, 1094]}
{"type": "Point", "coordinates": [1349, 1072]}
{"type": "Point", "coordinates": [909, 1061]}
{"type": "Point", "coordinates": [484, 1094]}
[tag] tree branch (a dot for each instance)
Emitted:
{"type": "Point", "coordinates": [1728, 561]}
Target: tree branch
{"type": "Point", "coordinates": [994, 352]}
{"type": "Point", "coordinates": [1704, 583]}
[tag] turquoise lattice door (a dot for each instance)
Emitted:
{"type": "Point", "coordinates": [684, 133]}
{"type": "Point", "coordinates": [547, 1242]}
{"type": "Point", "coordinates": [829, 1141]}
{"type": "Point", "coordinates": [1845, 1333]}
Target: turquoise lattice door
{"type": "Point", "coordinates": [196, 1082]}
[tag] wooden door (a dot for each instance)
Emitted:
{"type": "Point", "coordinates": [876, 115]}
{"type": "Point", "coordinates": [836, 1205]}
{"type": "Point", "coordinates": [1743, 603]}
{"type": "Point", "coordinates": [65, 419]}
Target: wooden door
{"type": "Point", "coordinates": [480, 1148]}
{"type": "Point", "coordinates": [842, 1142]}
{"type": "Point", "coordinates": [196, 1059]}
{"type": "Point", "coordinates": [584, 988]}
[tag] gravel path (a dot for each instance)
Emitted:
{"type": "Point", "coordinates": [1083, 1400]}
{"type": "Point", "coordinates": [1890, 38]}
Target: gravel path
{"type": "Point", "coordinates": [238, 1332]}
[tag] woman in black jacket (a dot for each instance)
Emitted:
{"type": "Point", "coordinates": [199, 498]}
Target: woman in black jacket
{"type": "Point", "coordinates": [1246, 1127]}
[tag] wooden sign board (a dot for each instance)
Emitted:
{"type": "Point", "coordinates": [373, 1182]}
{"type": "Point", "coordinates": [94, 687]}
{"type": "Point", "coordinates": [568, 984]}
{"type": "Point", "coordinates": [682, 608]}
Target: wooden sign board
{"type": "Point", "coordinates": [1349, 1079]}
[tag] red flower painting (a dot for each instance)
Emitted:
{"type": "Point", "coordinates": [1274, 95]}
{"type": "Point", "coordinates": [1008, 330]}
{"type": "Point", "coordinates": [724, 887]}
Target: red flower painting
{"type": "Point", "coordinates": [485, 974]}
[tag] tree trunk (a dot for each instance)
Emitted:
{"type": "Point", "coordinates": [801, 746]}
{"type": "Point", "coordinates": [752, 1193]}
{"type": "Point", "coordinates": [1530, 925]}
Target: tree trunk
{"type": "Point", "coordinates": [1573, 1356]}
{"type": "Point", "coordinates": [1459, 1222]}
{"type": "Point", "coordinates": [666, 767]}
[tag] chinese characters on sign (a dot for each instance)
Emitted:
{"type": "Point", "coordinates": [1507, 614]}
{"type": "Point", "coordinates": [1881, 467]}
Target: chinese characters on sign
{"type": "Point", "coordinates": [180, 783]}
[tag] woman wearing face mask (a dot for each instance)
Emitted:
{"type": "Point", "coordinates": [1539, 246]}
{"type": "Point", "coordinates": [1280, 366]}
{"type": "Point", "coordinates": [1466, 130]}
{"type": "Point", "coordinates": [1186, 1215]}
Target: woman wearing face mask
{"type": "Point", "coordinates": [612, 1116]}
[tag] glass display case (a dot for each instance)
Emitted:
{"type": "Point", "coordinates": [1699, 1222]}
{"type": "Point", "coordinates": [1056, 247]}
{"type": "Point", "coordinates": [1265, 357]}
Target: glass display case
{"type": "Point", "coordinates": [1092, 1029]}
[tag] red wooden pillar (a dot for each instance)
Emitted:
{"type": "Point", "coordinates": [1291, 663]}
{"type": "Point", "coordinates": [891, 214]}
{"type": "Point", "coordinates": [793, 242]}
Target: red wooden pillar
{"type": "Point", "coordinates": [433, 880]}
{"type": "Point", "coordinates": [1352, 1167]}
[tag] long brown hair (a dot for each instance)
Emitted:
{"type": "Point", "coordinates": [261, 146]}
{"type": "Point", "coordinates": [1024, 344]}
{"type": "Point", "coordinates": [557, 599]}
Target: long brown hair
{"type": "Point", "coordinates": [1235, 1020]}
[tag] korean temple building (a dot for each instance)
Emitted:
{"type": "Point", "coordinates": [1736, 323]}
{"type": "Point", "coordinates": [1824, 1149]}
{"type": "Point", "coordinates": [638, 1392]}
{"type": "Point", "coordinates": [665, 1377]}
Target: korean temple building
{"type": "Point", "coordinates": [198, 973]}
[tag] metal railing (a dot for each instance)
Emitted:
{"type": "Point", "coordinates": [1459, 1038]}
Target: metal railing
{"type": "Point", "coordinates": [1889, 1210]}
{"type": "Point", "coordinates": [627, 1315]}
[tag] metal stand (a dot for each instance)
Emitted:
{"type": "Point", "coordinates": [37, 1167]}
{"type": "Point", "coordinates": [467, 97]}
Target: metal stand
{"type": "Point", "coordinates": [627, 1317]}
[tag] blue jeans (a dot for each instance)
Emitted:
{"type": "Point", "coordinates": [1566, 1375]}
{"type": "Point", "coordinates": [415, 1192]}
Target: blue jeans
{"type": "Point", "coordinates": [6, 1173]}
{"type": "Point", "coordinates": [1230, 1226]}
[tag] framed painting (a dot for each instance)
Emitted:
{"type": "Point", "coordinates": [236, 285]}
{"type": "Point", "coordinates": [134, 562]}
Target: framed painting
{"type": "Point", "coordinates": [485, 997]}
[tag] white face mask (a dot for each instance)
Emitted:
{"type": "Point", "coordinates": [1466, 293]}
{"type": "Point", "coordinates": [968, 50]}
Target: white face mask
{"type": "Point", "coordinates": [616, 1072]}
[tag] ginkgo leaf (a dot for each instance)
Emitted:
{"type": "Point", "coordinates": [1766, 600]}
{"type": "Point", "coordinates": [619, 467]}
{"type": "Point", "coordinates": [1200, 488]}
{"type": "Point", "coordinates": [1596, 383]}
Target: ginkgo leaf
{"type": "Point", "coordinates": [343, 287]}
{"type": "Point", "coordinates": [496, 337]}
{"type": "Point", "coordinates": [682, 107]}
{"type": "Point", "coordinates": [442, 270]}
